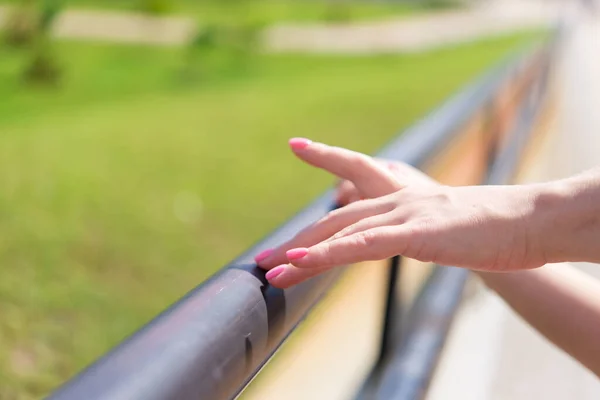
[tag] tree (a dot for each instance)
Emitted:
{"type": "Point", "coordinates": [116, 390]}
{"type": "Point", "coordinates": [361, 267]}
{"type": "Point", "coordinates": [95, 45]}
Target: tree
{"type": "Point", "coordinates": [43, 66]}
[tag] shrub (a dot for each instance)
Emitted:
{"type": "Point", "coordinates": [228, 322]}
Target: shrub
{"type": "Point", "coordinates": [43, 67]}
{"type": "Point", "coordinates": [21, 25]}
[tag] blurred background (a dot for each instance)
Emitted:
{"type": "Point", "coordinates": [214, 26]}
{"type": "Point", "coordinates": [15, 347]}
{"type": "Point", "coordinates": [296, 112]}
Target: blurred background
{"type": "Point", "coordinates": [143, 143]}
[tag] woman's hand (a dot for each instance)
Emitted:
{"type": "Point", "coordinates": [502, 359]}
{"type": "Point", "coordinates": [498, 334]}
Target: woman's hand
{"type": "Point", "coordinates": [481, 227]}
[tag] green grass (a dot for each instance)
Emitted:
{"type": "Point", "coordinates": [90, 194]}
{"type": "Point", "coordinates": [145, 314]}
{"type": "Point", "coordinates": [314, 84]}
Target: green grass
{"type": "Point", "coordinates": [126, 187]}
{"type": "Point", "coordinates": [272, 11]}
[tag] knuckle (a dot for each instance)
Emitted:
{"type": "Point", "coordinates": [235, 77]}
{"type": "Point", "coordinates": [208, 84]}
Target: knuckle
{"type": "Point", "coordinates": [327, 256]}
{"type": "Point", "coordinates": [422, 227]}
{"type": "Point", "coordinates": [344, 232]}
{"type": "Point", "coordinates": [366, 239]}
{"type": "Point", "coordinates": [338, 235]}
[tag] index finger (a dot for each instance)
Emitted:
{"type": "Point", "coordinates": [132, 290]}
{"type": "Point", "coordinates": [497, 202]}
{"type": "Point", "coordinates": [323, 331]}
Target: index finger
{"type": "Point", "coordinates": [370, 177]}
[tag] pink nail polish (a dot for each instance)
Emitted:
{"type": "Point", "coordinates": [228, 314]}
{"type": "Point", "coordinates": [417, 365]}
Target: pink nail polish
{"type": "Point", "coordinates": [275, 272]}
{"type": "Point", "coordinates": [262, 255]}
{"type": "Point", "coordinates": [295, 254]}
{"type": "Point", "coordinates": [299, 143]}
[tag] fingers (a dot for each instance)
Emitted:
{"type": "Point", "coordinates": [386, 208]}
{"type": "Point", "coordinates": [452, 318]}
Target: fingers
{"type": "Point", "coordinates": [364, 225]}
{"type": "Point", "coordinates": [324, 229]}
{"type": "Point", "coordinates": [408, 175]}
{"type": "Point", "coordinates": [371, 178]}
{"type": "Point", "coordinates": [370, 245]}
{"type": "Point", "coordinates": [352, 234]}
{"type": "Point", "coordinates": [285, 276]}
{"type": "Point", "coordinates": [346, 193]}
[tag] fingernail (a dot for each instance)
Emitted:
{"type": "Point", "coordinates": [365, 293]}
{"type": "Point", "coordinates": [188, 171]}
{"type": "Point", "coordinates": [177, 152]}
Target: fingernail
{"type": "Point", "coordinates": [263, 254]}
{"type": "Point", "coordinates": [295, 254]}
{"type": "Point", "coordinates": [275, 272]}
{"type": "Point", "coordinates": [299, 143]}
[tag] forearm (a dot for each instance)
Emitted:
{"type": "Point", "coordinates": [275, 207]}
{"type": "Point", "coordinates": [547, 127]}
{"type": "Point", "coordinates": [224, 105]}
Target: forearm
{"type": "Point", "coordinates": [567, 219]}
{"type": "Point", "coordinates": [562, 303]}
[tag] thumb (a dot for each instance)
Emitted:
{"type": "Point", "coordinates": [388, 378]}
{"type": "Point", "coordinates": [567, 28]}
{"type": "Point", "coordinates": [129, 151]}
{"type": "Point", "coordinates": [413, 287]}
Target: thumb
{"type": "Point", "coordinates": [370, 177]}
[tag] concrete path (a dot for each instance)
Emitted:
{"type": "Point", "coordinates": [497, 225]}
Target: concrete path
{"type": "Point", "coordinates": [418, 33]}
{"type": "Point", "coordinates": [492, 354]}
{"type": "Point", "coordinates": [119, 26]}
{"type": "Point", "coordinates": [408, 34]}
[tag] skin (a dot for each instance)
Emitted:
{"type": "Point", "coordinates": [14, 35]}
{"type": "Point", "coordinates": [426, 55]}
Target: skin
{"type": "Point", "coordinates": [485, 228]}
{"type": "Point", "coordinates": [512, 229]}
{"type": "Point", "coordinates": [560, 302]}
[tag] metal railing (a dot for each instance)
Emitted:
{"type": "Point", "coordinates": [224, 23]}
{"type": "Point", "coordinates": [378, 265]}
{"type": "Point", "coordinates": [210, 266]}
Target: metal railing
{"type": "Point", "coordinates": [213, 341]}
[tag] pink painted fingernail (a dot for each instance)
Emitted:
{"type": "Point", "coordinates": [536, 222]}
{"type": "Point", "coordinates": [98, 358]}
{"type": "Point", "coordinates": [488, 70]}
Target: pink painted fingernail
{"type": "Point", "coordinates": [295, 254]}
{"type": "Point", "coordinates": [275, 272]}
{"type": "Point", "coordinates": [299, 143]}
{"type": "Point", "coordinates": [262, 255]}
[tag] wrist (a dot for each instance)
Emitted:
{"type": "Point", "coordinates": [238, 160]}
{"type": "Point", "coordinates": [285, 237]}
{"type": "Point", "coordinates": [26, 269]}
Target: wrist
{"type": "Point", "coordinates": [566, 219]}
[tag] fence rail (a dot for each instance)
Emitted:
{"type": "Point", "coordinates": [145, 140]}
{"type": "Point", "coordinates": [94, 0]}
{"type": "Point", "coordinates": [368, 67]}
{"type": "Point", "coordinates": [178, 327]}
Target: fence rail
{"type": "Point", "coordinates": [213, 341]}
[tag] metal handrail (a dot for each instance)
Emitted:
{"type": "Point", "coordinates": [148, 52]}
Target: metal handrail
{"type": "Point", "coordinates": [214, 340]}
